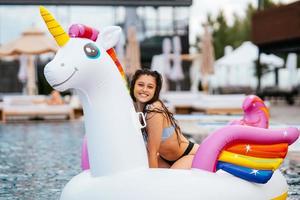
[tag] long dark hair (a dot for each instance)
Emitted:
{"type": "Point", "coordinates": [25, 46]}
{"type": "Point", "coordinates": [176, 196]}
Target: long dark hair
{"type": "Point", "coordinates": [158, 80]}
{"type": "Point", "coordinates": [164, 110]}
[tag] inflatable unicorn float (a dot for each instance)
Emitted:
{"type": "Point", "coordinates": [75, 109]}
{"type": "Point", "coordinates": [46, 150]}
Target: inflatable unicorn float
{"type": "Point", "coordinates": [222, 168]}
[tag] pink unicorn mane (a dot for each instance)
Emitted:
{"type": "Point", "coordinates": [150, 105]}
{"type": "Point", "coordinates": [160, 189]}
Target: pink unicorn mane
{"type": "Point", "coordinates": [83, 31]}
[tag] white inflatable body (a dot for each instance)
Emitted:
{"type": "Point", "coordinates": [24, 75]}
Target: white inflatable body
{"type": "Point", "coordinates": [117, 154]}
{"type": "Point", "coordinates": [162, 184]}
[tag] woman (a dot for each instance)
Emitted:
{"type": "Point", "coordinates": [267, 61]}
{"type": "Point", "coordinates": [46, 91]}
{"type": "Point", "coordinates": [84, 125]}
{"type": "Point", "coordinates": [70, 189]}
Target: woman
{"type": "Point", "coordinates": [166, 145]}
{"type": "Point", "coordinates": [55, 98]}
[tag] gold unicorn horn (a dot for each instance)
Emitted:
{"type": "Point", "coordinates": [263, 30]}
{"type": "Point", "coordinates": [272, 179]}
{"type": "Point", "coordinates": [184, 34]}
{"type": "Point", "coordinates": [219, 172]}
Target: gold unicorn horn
{"type": "Point", "coordinates": [54, 27]}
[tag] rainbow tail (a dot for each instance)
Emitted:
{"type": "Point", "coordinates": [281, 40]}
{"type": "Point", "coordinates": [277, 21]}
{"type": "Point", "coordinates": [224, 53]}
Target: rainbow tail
{"type": "Point", "coordinates": [257, 176]}
{"type": "Point", "coordinates": [247, 152]}
{"type": "Point", "coordinates": [254, 163]}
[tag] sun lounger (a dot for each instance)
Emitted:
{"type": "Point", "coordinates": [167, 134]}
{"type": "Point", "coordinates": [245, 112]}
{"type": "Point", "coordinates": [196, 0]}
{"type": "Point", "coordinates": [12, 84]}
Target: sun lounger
{"type": "Point", "coordinates": [199, 126]}
{"type": "Point", "coordinates": [189, 102]}
{"type": "Point", "coordinates": [28, 107]}
{"type": "Point", "coordinates": [220, 104]}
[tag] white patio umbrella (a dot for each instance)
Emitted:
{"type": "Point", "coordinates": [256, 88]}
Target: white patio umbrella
{"type": "Point", "coordinates": [22, 73]}
{"type": "Point", "coordinates": [32, 42]}
{"type": "Point", "coordinates": [248, 53]}
{"type": "Point", "coordinates": [291, 65]}
{"type": "Point", "coordinates": [161, 63]}
{"type": "Point", "coordinates": [176, 73]}
{"type": "Point", "coordinates": [242, 62]}
{"type": "Point", "coordinates": [227, 50]}
{"type": "Point", "coordinates": [166, 52]}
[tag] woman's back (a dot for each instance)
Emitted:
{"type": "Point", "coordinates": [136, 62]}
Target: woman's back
{"type": "Point", "coordinates": [172, 142]}
{"type": "Point", "coordinates": [164, 141]}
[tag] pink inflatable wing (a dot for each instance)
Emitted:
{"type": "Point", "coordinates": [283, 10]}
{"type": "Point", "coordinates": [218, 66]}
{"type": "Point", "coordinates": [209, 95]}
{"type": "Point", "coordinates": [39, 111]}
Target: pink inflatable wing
{"type": "Point", "coordinates": [256, 113]}
{"type": "Point", "coordinates": [85, 164]}
{"type": "Point", "coordinates": [206, 157]}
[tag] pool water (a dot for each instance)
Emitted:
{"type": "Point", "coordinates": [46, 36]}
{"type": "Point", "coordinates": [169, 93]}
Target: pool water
{"type": "Point", "coordinates": [291, 170]}
{"type": "Point", "coordinates": [37, 159]}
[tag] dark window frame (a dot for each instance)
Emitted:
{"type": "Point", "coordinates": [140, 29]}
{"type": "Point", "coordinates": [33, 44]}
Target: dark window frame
{"type": "Point", "coordinates": [100, 2]}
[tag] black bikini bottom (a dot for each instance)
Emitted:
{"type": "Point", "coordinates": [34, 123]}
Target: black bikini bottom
{"type": "Point", "coordinates": [186, 152]}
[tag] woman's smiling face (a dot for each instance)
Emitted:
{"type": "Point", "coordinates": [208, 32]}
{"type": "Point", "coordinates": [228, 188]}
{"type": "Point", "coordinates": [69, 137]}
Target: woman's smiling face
{"type": "Point", "coordinates": [144, 88]}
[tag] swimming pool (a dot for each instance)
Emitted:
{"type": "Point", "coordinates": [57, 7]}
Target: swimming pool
{"type": "Point", "coordinates": [37, 159]}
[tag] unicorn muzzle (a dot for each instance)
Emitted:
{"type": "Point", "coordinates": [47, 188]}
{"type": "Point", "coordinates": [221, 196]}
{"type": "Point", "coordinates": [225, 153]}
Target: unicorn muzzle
{"type": "Point", "coordinates": [49, 75]}
{"type": "Point", "coordinates": [59, 81]}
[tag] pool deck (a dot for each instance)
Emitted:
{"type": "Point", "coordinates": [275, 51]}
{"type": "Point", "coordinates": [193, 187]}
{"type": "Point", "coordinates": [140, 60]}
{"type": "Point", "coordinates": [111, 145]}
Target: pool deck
{"type": "Point", "coordinates": [27, 107]}
{"type": "Point", "coordinates": [200, 125]}
{"type": "Point", "coordinates": [282, 113]}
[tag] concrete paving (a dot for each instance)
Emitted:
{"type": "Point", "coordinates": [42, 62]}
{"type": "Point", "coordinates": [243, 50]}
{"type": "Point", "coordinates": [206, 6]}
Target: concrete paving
{"type": "Point", "coordinates": [280, 112]}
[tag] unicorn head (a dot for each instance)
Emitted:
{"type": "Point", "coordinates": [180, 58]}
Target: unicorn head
{"type": "Point", "coordinates": [79, 56]}
{"type": "Point", "coordinates": [87, 63]}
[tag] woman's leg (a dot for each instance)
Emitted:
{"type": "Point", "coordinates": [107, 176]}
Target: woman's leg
{"type": "Point", "coordinates": [194, 150]}
{"type": "Point", "coordinates": [162, 163]}
{"type": "Point", "coordinates": [186, 161]}
{"type": "Point", "coordinates": [183, 163]}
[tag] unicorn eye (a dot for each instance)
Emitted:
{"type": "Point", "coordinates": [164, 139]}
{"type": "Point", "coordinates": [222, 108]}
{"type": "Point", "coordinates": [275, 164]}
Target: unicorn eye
{"type": "Point", "coordinates": [91, 51]}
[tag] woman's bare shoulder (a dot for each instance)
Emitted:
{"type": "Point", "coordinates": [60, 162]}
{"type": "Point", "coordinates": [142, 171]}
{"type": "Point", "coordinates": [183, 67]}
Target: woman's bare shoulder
{"type": "Point", "coordinates": [157, 105]}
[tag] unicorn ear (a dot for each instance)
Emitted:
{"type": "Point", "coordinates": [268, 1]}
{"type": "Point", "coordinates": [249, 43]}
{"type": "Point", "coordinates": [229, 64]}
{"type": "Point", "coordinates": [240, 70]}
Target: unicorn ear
{"type": "Point", "coordinates": [109, 36]}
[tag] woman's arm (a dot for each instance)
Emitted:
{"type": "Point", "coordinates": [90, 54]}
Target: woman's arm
{"type": "Point", "coordinates": [154, 131]}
